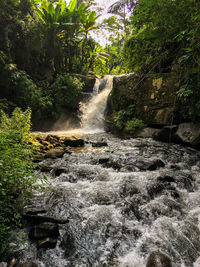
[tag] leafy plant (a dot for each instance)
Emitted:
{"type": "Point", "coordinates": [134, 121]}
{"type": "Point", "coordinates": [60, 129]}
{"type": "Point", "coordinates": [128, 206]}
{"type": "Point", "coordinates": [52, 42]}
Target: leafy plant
{"type": "Point", "coordinates": [125, 118]}
{"type": "Point", "coordinates": [16, 170]}
{"type": "Point", "coordinates": [134, 124]}
{"type": "Point", "coordinates": [63, 90]}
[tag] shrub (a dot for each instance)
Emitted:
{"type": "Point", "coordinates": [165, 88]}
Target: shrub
{"type": "Point", "coordinates": [63, 90]}
{"type": "Point", "coordinates": [122, 116]}
{"type": "Point", "coordinates": [134, 124]}
{"type": "Point", "coordinates": [16, 169]}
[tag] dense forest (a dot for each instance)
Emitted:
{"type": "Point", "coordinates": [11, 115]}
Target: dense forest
{"type": "Point", "coordinates": [43, 43]}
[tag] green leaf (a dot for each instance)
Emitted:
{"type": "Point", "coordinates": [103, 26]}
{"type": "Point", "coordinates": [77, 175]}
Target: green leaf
{"type": "Point", "coordinates": [72, 6]}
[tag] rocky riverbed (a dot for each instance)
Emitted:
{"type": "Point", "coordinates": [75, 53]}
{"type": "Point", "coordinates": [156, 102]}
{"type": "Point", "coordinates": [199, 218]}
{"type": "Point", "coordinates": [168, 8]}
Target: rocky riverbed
{"type": "Point", "coordinates": [112, 202]}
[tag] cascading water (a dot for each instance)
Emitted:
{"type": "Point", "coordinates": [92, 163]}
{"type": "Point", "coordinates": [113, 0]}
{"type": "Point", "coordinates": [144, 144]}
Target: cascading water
{"type": "Point", "coordinates": [123, 201]}
{"type": "Point", "coordinates": [92, 118]}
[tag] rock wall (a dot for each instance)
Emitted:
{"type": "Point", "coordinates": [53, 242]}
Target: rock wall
{"type": "Point", "coordinates": [154, 97]}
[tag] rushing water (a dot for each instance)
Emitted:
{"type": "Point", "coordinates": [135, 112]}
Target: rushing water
{"type": "Point", "coordinates": [119, 210]}
{"type": "Point", "coordinates": [92, 118]}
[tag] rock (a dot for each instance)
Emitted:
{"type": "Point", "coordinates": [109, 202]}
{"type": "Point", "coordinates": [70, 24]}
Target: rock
{"type": "Point", "coordinates": [38, 219]}
{"type": "Point", "coordinates": [74, 142]}
{"type": "Point", "coordinates": [99, 144]}
{"type": "Point", "coordinates": [43, 230]}
{"type": "Point", "coordinates": [28, 264]}
{"type": "Point", "coordinates": [167, 134]}
{"type": "Point", "coordinates": [129, 189]}
{"type": "Point", "coordinates": [3, 264]}
{"type": "Point", "coordinates": [166, 178]}
{"type": "Point", "coordinates": [159, 188]}
{"type": "Point", "coordinates": [46, 243]}
{"type": "Point", "coordinates": [103, 160]}
{"type": "Point", "coordinates": [153, 97]}
{"type": "Point", "coordinates": [35, 211]}
{"type": "Point", "coordinates": [68, 243]}
{"type": "Point", "coordinates": [44, 168]}
{"type": "Point", "coordinates": [189, 134]}
{"type": "Point", "coordinates": [158, 259]}
{"type": "Point", "coordinates": [146, 132]}
{"type": "Point", "coordinates": [52, 139]}
{"type": "Point", "coordinates": [59, 171]}
{"type": "Point", "coordinates": [150, 165]}
{"type": "Point", "coordinates": [55, 153]}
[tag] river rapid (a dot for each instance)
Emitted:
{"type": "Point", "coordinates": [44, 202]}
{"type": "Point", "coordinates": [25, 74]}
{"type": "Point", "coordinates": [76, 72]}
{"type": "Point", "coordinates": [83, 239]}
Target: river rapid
{"type": "Point", "coordinates": [122, 205]}
{"type": "Point", "coordinates": [124, 199]}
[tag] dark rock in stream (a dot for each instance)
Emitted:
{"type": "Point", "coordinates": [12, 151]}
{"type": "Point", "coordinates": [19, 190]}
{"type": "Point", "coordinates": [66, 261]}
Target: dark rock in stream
{"type": "Point", "coordinates": [158, 188]}
{"type": "Point", "coordinates": [38, 219]}
{"type": "Point", "coordinates": [44, 230]}
{"type": "Point", "coordinates": [103, 160]}
{"type": "Point", "coordinates": [158, 259]}
{"type": "Point", "coordinates": [99, 144]}
{"type": "Point", "coordinates": [47, 243]}
{"type": "Point", "coordinates": [59, 171]}
{"type": "Point", "coordinates": [167, 134]}
{"type": "Point", "coordinates": [150, 165]}
{"type": "Point", "coordinates": [74, 142]}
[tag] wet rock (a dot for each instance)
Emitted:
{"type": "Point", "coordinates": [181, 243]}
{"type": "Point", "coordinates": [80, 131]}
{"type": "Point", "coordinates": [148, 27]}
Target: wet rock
{"type": "Point", "coordinates": [44, 168]}
{"type": "Point", "coordinates": [68, 243]}
{"type": "Point", "coordinates": [28, 264]}
{"type": "Point", "coordinates": [44, 230]}
{"type": "Point", "coordinates": [115, 164]}
{"type": "Point", "coordinates": [73, 142]}
{"type": "Point", "coordinates": [103, 160]}
{"type": "Point", "coordinates": [47, 243]}
{"type": "Point", "coordinates": [158, 259]}
{"type": "Point", "coordinates": [165, 179]}
{"type": "Point", "coordinates": [129, 189]}
{"type": "Point", "coordinates": [99, 144]}
{"type": "Point", "coordinates": [55, 153]}
{"type": "Point", "coordinates": [159, 188]}
{"type": "Point", "coordinates": [35, 211]}
{"type": "Point", "coordinates": [189, 134]}
{"type": "Point", "coordinates": [146, 132]}
{"type": "Point", "coordinates": [167, 134]}
{"type": "Point", "coordinates": [52, 139]}
{"type": "Point", "coordinates": [150, 165]}
{"type": "Point", "coordinates": [185, 181]}
{"type": "Point", "coordinates": [59, 171]}
{"type": "Point", "coordinates": [38, 219]}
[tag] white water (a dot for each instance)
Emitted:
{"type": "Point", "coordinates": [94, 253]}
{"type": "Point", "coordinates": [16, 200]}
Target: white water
{"type": "Point", "coordinates": [92, 118]}
{"type": "Point", "coordinates": [114, 219]}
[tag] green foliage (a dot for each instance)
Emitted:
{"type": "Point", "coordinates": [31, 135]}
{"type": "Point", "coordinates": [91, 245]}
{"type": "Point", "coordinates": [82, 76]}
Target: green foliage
{"type": "Point", "coordinates": [16, 170]}
{"type": "Point", "coordinates": [134, 124]}
{"type": "Point", "coordinates": [125, 118]}
{"type": "Point", "coordinates": [165, 38]}
{"type": "Point", "coordinates": [63, 90]}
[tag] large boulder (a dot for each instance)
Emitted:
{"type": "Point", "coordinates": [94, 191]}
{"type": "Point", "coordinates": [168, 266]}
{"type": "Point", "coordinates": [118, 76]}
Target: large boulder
{"type": "Point", "coordinates": [44, 230]}
{"type": "Point", "coordinates": [184, 133]}
{"type": "Point", "coordinates": [73, 142]}
{"type": "Point", "coordinates": [189, 133]}
{"type": "Point", "coordinates": [153, 97]}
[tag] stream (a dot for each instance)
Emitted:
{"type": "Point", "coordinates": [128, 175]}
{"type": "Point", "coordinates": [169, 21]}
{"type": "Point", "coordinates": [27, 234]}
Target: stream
{"type": "Point", "coordinates": [124, 199]}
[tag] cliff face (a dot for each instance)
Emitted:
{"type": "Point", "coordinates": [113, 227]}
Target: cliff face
{"type": "Point", "coordinates": [154, 97]}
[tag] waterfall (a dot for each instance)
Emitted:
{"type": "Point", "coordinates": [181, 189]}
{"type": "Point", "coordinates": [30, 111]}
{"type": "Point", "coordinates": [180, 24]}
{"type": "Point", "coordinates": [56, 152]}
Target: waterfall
{"type": "Point", "coordinates": [92, 118]}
